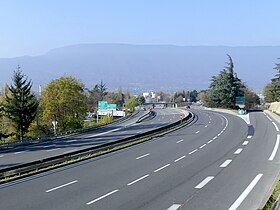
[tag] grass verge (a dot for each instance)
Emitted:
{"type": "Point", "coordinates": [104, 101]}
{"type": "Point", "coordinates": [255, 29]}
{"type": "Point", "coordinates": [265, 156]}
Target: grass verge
{"type": "Point", "coordinates": [270, 204]}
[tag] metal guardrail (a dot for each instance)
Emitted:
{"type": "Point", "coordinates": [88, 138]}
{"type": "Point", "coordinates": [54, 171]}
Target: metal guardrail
{"type": "Point", "coordinates": [146, 116]}
{"type": "Point", "coordinates": [26, 168]}
{"type": "Point", "coordinates": [37, 140]}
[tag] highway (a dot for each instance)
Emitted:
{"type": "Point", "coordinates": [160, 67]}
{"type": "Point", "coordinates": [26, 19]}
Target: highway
{"type": "Point", "coordinates": [216, 162]}
{"type": "Point", "coordinates": [121, 130]}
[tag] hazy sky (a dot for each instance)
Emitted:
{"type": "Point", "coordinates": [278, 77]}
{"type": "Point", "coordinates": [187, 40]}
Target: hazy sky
{"type": "Point", "coordinates": [32, 27]}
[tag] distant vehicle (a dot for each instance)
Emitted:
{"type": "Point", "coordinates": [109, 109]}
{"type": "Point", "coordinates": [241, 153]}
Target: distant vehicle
{"type": "Point", "coordinates": [188, 107]}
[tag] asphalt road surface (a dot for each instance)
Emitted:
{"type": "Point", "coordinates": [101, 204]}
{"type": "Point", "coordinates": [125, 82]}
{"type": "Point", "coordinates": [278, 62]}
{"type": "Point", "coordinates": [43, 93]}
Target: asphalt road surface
{"type": "Point", "coordinates": [214, 163]}
{"type": "Point", "coordinates": [124, 129]}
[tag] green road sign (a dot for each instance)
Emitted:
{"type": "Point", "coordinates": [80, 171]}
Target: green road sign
{"type": "Point", "coordinates": [103, 105]}
{"type": "Point", "coordinates": [240, 101]}
{"type": "Point", "coordinates": [112, 106]}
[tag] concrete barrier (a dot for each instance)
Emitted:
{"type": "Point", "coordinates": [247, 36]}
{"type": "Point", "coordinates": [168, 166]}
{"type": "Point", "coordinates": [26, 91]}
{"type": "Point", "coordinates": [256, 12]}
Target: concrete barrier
{"type": "Point", "coordinates": [275, 107]}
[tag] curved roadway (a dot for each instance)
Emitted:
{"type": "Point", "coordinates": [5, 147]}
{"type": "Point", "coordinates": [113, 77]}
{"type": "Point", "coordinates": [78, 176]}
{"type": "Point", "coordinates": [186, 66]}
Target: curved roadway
{"type": "Point", "coordinates": [214, 163]}
{"type": "Point", "coordinates": [121, 130]}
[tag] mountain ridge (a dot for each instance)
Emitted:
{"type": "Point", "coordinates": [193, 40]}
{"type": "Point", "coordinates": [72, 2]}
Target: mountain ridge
{"type": "Point", "coordinates": [146, 67]}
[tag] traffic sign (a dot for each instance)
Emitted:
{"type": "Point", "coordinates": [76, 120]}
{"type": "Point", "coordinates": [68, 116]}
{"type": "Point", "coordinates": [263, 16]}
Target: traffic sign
{"type": "Point", "coordinates": [103, 105]}
{"type": "Point", "coordinates": [240, 101]}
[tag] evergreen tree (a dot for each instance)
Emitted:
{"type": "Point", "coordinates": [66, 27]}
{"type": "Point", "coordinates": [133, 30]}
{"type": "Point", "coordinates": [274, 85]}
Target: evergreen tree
{"type": "Point", "coordinates": [225, 87]}
{"type": "Point", "coordinates": [20, 105]}
{"type": "Point", "coordinates": [272, 90]}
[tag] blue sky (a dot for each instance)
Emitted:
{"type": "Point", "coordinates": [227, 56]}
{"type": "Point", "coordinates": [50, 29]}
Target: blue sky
{"type": "Point", "coordinates": [32, 27]}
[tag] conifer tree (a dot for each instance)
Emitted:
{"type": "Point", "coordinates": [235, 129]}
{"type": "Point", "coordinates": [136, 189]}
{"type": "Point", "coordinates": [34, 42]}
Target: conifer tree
{"type": "Point", "coordinates": [20, 104]}
{"type": "Point", "coordinates": [225, 87]}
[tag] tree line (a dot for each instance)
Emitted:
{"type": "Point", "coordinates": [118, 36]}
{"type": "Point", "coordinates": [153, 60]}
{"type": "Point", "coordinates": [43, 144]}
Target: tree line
{"type": "Point", "coordinates": [64, 100]}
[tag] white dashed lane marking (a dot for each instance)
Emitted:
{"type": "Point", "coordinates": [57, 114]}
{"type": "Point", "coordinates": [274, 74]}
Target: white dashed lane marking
{"type": "Point", "coordinates": [163, 167]}
{"type": "Point", "coordinates": [61, 186]}
{"type": "Point", "coordinates": [225, 164]}
{"type": "Point", "coordinates": [204, 182]}
{"type": "Point", "coordinates": [192, 151]}
{"type": "Point", "coordinates": [245, 143]}
{"type": "Point", "coordinates": [142, 156]}
{"type": "Point", "coordinates": [137, 180]}
{"type": "Point", "coordinates": [179, 141]}
{"type": "Point", "coordinates": [238, 151]}
{"type": "Point", "coordinates": [179, 159]}
{"type": "Point", "coordinates": [103, 196]}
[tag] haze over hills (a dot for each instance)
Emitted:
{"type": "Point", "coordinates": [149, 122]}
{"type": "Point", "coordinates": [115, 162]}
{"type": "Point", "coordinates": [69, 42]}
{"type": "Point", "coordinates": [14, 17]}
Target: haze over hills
{"type": "Point", "coordinates": [145, 67]}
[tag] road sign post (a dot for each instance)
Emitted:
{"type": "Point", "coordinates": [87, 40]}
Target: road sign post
{"type": "Point", "coordinates": [240, 101]}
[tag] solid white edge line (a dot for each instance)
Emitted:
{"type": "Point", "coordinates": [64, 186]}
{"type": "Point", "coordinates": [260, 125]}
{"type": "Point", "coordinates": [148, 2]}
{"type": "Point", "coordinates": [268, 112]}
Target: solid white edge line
{"type": "Point", "coordinates": [214, 137]}
{"type": "Point", "coordinates": [275, 148]}
{"type": "Point", "coordinates": [245, 143]}
{"type": "Point", "coordinates": [64, 185]}
{"type": "Point", "coordinates": [225, 164]}
{"type": "Point", "coordinates": [238, 151]}
{"type": "Point", "coordinates": [103, 196]}
{"type": "Point", "coordinates": [142, 156]}
{"type": "Point", "coordinates": [159, 169]}
{"type": "Point", "coordinates": [209, 141]}
{"type": "Point", "coordinates": [174, 207]}
{"type": "Point", "coordinates": [192, 152]}
{"type": "Point", "coordinates": [245, 193]}
{"type": "Point", "coordinates": [204, 182]}
{"type": "Point", "coordinates": [137, 180]}
{"type": "Point", "coordinates": [276, 127]}
{"type": "Point", "coordinates": [179, 158]}
{"type": "Point", "coordinates": [202, 146]}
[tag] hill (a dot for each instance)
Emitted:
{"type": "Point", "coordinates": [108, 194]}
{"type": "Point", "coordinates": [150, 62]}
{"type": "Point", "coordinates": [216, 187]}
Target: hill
{"type": "Point", "coordinates": [145, 67]}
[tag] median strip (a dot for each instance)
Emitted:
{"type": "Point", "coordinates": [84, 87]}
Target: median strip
{"type": "Point", "coordinates": [56, 161]}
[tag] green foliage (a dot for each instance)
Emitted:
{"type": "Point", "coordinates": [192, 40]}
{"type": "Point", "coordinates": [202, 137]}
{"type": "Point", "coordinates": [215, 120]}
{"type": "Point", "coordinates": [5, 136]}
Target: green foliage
{"type": "Point", "coordinates": [130, 105]}
{"type": "Point", "coordinates": [224, 88]}
{"type": "Point", "coordinates": [141, 100]}
{"type": "Point", "coordinates": [105, 120]}
{"type": "Point", "coordinates": [20, 106]}
{"type": "Point", "coordinates": [63, 100]}
{"type": "Point", "coordinates": [251, 99]}
{"type": "Point", "coordinates": [272, 90]}
{"type": "Point", "coordinates": [98, 93]}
